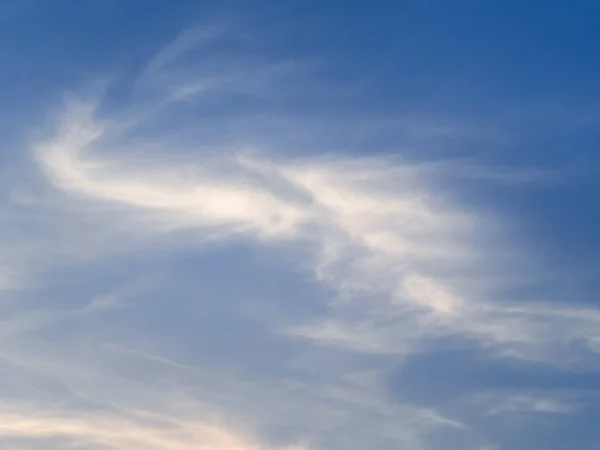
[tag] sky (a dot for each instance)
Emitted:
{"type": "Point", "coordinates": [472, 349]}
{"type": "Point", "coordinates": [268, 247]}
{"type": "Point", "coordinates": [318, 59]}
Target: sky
{"type": "Point", "coordinates": [299, 225]}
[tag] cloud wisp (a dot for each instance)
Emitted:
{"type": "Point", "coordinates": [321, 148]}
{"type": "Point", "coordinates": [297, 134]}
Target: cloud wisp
{"type": "Point", "coordinates": [25, 430]}
{"type": "Point", "coordinates": [409, 262]}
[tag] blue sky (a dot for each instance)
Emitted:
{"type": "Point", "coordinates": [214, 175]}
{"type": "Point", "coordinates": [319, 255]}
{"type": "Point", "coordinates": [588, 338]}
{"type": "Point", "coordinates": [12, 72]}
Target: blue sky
{"type": "Point", "coordinates": [307, 225]}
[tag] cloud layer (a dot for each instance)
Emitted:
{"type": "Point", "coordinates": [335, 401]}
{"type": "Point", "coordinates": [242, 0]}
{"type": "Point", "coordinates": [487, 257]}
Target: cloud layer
{"type": "Point", "coordinates": [403, 263]}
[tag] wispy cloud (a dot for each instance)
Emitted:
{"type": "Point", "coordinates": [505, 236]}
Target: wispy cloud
{"type": "Point", "coordinates": [134, 429]}
{"type": "Point", "coordinates": [528, 402]}
{"type": "Point", "coordinates": [407, 263]}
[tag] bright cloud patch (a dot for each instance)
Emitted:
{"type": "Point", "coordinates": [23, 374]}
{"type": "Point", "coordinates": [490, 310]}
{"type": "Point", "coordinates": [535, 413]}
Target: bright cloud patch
{"type": "Point", "coordinates": [409, 263]}
{"type": "Point", "coordinates": [110, 432]}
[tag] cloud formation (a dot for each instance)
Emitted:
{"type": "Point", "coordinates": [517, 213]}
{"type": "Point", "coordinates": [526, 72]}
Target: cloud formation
{"type": "Point", "coordinates": [403, 262]}
{"type": "Point", "coordinates": [409, 262]}
{"type": "Point", "coordinates": [27, 429]}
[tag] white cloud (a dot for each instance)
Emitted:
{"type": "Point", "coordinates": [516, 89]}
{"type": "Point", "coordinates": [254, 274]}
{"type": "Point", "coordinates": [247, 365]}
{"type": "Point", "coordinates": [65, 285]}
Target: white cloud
{"type": "Point", "coordinates": [410, 262]}
{"type": "Point", "coordinates": [310, 202]}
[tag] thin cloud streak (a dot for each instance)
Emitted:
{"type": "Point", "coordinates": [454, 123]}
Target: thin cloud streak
{"type": "Point", "coordinates": [138, 431]}
{"type": "Point", "coordinates": [521, 404]}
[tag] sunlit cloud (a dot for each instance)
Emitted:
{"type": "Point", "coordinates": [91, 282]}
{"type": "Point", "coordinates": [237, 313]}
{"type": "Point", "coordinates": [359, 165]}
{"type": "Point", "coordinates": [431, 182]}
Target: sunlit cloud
{"type": "Point", "coordinates": [136, 429]}
{"type": "Point", "coordinates": [409, 262]}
